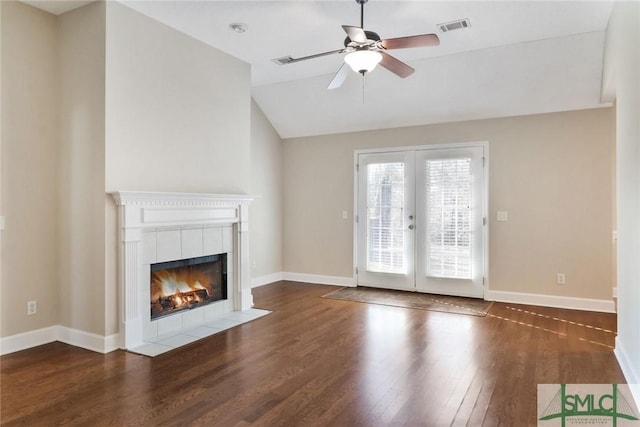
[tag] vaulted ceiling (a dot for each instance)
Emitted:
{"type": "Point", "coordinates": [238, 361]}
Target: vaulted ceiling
{"type": "Point", "coordinates": [516, 58]}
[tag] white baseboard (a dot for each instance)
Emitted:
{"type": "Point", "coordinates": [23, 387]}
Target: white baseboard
{"type": "Point", "coordinates": [573, 303]}
{"type": "Point", "coordinates": [628, 369]}
{"type": "Point", "coordinates": [319, 279]}
{"type": "Point", "coordinates": [112, 342]}
{"type": "Point", "coordinates": [26, 340]}
{"type": "Point", "coordinates": [74, 337]}
{"type": "Point", "coordinates": [265, 280]}
{"type": "Point", "coordinates": [88, 340]}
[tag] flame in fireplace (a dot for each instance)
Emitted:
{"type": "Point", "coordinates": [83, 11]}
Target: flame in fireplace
{"type": "Point", "coordinates": [184, 287]}
{"type": "Point", "coordinates": [171, 282]}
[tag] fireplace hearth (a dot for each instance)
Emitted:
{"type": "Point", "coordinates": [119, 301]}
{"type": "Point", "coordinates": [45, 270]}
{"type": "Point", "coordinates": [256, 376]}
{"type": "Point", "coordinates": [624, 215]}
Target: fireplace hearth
{"type": "Point", "coordinates": [186, 284]}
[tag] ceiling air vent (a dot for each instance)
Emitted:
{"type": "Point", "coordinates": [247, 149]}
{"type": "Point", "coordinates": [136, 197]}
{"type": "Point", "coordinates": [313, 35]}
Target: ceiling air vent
{"type": "Point", "coordinates": [284, 60]}
{"type": "Point", "coordinates": [454, 25]}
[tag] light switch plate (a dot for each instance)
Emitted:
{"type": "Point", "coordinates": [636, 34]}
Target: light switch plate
{"type": "Point", "coordinates": [502, 216]}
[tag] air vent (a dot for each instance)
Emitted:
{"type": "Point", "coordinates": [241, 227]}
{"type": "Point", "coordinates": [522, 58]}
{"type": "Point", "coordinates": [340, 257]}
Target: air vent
{"type": "Point", "coordinates": [284, 60]}
{"type": "Point", "coordinates": [454, 25]}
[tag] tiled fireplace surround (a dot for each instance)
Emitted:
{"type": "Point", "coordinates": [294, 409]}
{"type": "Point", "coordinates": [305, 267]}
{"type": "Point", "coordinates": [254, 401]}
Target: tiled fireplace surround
{"type": "Point", "coordinates": [159, 227]}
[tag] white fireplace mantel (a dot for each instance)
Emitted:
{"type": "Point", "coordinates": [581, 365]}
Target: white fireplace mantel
{"type": "Point", "coordinates": [142, 214]}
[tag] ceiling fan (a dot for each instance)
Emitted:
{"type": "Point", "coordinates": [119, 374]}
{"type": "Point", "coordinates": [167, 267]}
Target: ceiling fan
{"type": "Point", "coordinates": [365, 50]}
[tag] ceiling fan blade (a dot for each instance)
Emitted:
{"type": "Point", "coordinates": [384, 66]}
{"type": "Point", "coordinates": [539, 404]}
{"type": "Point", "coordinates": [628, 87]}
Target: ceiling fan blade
{"type": "Point", "coordinates": [424, 40]}
{"type": "Point", "coordinates": [356, 34]}
{"type": "Point", "coordinates": [396, 66]}
{"type": "Point", "coordinates": [339, 77]}
{"type": "Point", "coordinates": [289, 60]}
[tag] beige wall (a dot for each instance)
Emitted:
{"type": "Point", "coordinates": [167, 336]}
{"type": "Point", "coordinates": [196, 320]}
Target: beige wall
{"type": "Point", "coordinates": [29, 167]}
{"type": "Point", "coordinates": [622, 78]}
{"type": "Point", "coordinates": [81, 159]}
{"type": "Point", "coordinates": [266, 183]}
{"type": "Point", "coordinates": [178, 111]}
{"type": "Point", "coordinates": [551, 172]}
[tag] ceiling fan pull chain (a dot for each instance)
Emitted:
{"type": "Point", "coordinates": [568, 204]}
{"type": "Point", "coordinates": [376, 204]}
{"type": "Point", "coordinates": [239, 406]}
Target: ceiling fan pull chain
{"type": "Point", "coordinates": [363, 78]}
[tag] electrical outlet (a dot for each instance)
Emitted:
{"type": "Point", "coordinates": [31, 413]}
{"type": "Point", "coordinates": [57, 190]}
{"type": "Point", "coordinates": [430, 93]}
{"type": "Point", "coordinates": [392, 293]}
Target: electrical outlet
{"type": "Point", "coordinates": [561, 279]}
{"type": "Point", "coordinates": [502, 216]}
{"type": "Point", "coordinates": [32, 308]}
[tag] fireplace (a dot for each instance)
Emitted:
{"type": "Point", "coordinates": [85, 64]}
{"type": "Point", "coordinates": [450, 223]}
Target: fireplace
{"type": "Point", "coordinates": [187, 284]}
{"type": "Point", "coordinates": [160, 228]}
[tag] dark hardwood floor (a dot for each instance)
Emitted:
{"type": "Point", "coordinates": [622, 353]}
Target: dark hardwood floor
{"type": "Point", "coordinates": [322, 362]}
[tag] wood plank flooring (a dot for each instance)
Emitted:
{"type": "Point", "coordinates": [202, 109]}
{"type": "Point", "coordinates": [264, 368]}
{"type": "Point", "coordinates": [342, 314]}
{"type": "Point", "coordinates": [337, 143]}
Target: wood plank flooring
{"type": "Point", "coordinates": [322, 362]}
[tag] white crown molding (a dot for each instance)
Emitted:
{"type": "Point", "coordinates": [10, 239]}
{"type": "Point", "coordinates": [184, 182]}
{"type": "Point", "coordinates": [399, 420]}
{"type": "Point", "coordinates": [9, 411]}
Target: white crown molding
{"type": "Point", "coordinates": [150, 198]}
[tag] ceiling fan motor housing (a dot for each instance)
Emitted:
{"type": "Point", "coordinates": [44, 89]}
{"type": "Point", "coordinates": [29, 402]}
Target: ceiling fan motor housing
{"type": "Point", "coordinates": [372, 36]}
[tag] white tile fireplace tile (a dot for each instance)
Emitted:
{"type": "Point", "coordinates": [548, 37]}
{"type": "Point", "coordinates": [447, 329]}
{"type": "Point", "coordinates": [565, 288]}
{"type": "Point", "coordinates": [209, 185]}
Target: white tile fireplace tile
{"type": "Point", "coordinates": [212, 239]}
{"type": "Point", "coordinates": [162, 337]}
{"type": "Point", "coordinates": [214, 310]}
{"type": "Point", "coordinates": [192, 243]}
{"type": "Point", "coordinates": [247, 315]}
{"type": "Point", "coordinates": [227, 239]}
{"type": "Point", "coordinates": [144, 294]}
{"type": "Point", "coordinates": [192, 318]}
{"type": "Point", "coordinates": [169, 324]}
{"type": "Point", "coordinates": [201, 332]}
{"type": "Point", "coordinates": [150, 330]}
{"type": "Point", "coordinates": [151, 349]}
{"type": "Point", "coordinates": [168, 246]}
{"type": "Point", "coordinates": [223, 324]}
{"type": "Point", "coordinates": [178, 340]}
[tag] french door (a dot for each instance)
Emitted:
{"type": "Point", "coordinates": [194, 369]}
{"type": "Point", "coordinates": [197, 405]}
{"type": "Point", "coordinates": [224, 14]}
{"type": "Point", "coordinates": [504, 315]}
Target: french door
{"type": "Point", "coordinates": [420, 220]}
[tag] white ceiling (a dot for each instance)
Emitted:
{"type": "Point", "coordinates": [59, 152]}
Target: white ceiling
{"type": "Point", "coordinates": [518, 57]}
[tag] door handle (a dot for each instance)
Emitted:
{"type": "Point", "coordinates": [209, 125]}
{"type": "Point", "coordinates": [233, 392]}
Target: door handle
{"type": "Point", "coordinates": [411, 217]}
{"type": "Point", "coordinates": [410, 226]}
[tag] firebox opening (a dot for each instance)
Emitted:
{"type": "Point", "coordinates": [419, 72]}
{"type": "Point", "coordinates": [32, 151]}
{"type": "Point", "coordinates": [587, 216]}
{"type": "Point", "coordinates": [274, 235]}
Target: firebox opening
{"type": "Point", "coordinates": [187, 283]}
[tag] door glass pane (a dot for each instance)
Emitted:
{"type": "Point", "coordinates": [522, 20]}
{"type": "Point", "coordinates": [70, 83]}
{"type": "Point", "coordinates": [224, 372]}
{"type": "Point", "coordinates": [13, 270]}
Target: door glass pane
{"type": "Point", "coordinates": [385, 227]}
{"type": "Point", "coordinates": [448, 210]}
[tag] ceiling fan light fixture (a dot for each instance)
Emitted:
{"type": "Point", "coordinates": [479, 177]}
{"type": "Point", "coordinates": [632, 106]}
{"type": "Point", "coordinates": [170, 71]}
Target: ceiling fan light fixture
{"type": "Point", "coordinates": [363, 61]}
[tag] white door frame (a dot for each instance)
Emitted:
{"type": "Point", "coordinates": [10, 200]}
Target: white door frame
{"type": "Point", "coordinates": [485, 208]}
